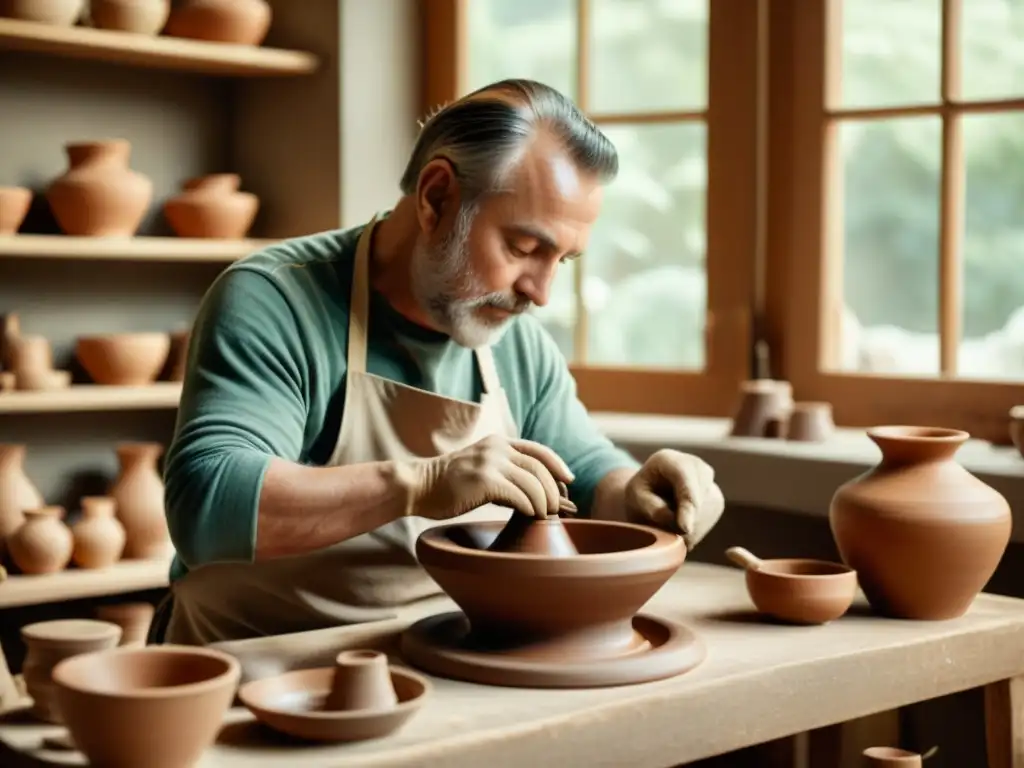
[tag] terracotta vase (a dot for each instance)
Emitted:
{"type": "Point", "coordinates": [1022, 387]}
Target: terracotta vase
{"type": "Point", "coordinates": [245, 22]}
{"type": "Point", "coordinates": [14, 205]}
{"type": "Point", "coordinates": [212, 207]}
{"type": "Point", "coordinates": [139, 495]}
{"type": "Point", "coordinates": [50, 642]}
{"type": "Point", "coordinates": [61, 13]}
{"type": "Point", "coordinates": [100, 195]}
{"type": "Point", "coordinates": [142, 17]}
{"type": "Point", "coordinates": [133, 619]}
{"type": "Point", "coordinates": [43, 543]}
{"type": "Point", "coordinates": [98, 535]}
{"type": "Point", "coordinates": [17, 493]}
{"type": "Point", "coordinates": [923, 534]}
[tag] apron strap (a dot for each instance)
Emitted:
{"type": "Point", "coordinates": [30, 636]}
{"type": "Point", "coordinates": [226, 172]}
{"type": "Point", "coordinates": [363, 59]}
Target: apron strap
{"type": "Point", "coordinates": [488, 370]}
{"type": "Point", "coordinates": [359, 301]}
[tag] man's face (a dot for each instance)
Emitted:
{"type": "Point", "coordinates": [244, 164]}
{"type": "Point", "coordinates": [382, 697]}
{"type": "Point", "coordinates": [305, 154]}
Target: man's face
{"type": "Point", "coordinates": [497, 258]}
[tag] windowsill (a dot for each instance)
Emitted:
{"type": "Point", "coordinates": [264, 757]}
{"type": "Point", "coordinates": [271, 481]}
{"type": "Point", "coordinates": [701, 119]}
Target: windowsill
{"type": "Point", "coordinates": [793, 476]}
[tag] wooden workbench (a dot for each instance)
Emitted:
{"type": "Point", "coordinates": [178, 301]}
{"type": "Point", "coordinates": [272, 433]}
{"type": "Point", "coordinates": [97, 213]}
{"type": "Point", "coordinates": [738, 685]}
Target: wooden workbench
{"type": "Point", "coordinates": [760, 682]}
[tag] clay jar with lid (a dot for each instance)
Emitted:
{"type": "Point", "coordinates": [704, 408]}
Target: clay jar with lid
{"type": "Point", "coordinates": [212, 207]}
{"type": "Point", "coordinates": [98, 535]}
{"type": "Point", "coordinates": [245, 22]}
{"type": "Point", "coordinates": [100, 195]}
{"type": "Point", "coordinates": [43, 543]}
{"type": "Point", "coordinates": [139, 495]}
{"type": "Point", "coordinates": [17, 493]}
{"type": "Point", "coordinates": [923, 533]}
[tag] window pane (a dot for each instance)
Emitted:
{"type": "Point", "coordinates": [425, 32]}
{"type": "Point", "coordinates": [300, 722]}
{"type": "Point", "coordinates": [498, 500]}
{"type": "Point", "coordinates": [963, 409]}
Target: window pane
{"type": "Point", "coordinates": [890, 265]}
{"type": "Point", "coordinates": [992, 36]}
{"type": "Point", "coordinates": [993, 303]}
{"type": "Point", "coordinates": [535, 39]}
{"type": "Point", "coordinates": [648, 55]}
{"type": "Point", "coordinates": [892, 51]}
{"type": "Point", "coordinates": [559, 315]}
{"type": "Point", "coordinates": [644, 279]}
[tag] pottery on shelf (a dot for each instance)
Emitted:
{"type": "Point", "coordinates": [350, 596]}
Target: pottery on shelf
{"type": "Point", "coordinates": [160, 706]}
{"type": "Point", "coordinates": [133, 619]}
{"type": "Point", "coordinates": [1017, 427]}
{"type": "Point", "coordinates": [17, 492]}
{"type": "Point", "coordinates": [212, 207]}
{"type": "Point", "coordinates": [14, 205]}
{"type": "Point", "coordinates": [891, 757]}
{"type": "Point", "coordinates": [361, 697]}
{"type": "Point", "coordinates": [61, 13]}
{"type": "Point", "coordinates": [100, 195]}
{"type": "Point", "coordinates": [123, 359]}
{"type": "Point", "coordinates": [43, 543]}
{"type": "Point", "coordinates": [923, 533]}
{"type": "Point", "coordinates": [8, 382]}
{"type": "Point", "coordinates": [177, 359]}
{"type": "Point", "coordinates": [810, 422]}
{"type": "Point", "coordinates": [763, 409]}
{"type": "Point", "coordinates": [50, 642]}
{"type": "Point", "coordinates": [142, 17]}
{"type": "Point", "coordinates": [10, 331]}
{"type": "Point", "coordinates": [797, 590]}
{"type": "Point", "coordinates": [138, 492]}
{"type": "Point", "coordinates": [245, 22]}
{"type": "Point", "coordinates": [99, 536]}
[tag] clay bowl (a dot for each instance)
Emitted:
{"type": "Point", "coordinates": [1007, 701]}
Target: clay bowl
{"type": "Point", "coordinates": [123, 359]}
{"type": "Point", "coordinates": [797, 590]}
{"type": "Point", "coordinates": [579, 606]}
{"type": "Point", "coordinates": [159, 706]}
{"type": "Point", "coordinates": [360, 697]}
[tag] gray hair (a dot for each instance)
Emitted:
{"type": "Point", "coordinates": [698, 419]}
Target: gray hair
{"type": "Point", "coordinates": [484, 137]}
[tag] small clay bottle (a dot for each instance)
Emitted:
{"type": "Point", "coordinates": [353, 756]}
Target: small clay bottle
{"type": "Point", "coordinates": [43, 543]}
{"type": "Point", "coordinates": [362, 681]}
{"type": "Point", "coordinates": [98, 535]}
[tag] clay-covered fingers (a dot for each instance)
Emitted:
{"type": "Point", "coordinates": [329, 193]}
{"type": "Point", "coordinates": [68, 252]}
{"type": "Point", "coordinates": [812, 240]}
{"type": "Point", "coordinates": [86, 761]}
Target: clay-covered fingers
{"type": "Point", "coordinates": [533, 487]}
{"type": "Point", "coordinates": [542, 480]}
{"type": "Point", "coordinates": [545, 456]}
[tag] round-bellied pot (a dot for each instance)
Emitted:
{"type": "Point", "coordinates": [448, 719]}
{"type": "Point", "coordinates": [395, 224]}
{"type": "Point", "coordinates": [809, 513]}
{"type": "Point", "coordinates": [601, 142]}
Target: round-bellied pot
{"type": "Point", "coordinates": [141, 17]}
{"type": "Point", "coordinates": [244, 22]}
{"type": "Point", "coordinates": [923, 533]}
{"type": "Point", "coordinates": [212, 207]}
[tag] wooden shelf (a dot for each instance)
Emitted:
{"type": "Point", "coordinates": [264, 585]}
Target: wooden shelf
{"type": "Point", "coordinates": [73, 584]}
{"type": "Point", "coordinates": [93, 397]}
{"type": "Point", "coordinates": [127, 248]}
{"type": "Point", "coordinates": [161, 52]}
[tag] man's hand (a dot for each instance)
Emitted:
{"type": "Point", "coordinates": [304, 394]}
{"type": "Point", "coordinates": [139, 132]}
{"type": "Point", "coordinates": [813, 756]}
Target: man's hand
{"type": "Point", "coordinates": [676, 492]}
{"type": "Point", "coordinates": [519, 474]}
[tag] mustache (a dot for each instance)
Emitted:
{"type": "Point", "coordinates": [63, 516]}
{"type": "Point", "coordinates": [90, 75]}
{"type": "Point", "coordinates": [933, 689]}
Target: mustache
{"type": "Point", "coordinates": [508, 302]}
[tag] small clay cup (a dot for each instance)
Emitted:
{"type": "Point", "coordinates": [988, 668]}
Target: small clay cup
{"type": "Point", "coordinates": [530, 535]}
{"type": "Point", "coordinates": [1017, 427]}
{"type": "Point", "coordinates": [810, 422]}
{"type": "Point", "coordinates": [797, 590]}
{"type": "Point", "coordinates": [14, 205]}
{"type": "Point", "coordinates": [891, 757]}
{"type": "Point", "coordinates": [362, 681]}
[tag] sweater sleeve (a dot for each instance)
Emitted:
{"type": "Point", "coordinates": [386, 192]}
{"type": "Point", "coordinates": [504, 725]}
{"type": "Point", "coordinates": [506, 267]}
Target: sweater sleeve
{"type": "Point", "coordinates": [558, 419]}
{"type": "Point", "coordinates": [244, 401]}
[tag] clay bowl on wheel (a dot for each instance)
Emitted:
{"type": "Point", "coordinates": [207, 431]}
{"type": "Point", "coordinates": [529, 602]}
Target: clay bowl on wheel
{"type": "Point", "coordinates": [797, 590]}
{"type": "Point", "coordinates": [158, 706]}
{"type": "Point", "coordinates": [123, 359]}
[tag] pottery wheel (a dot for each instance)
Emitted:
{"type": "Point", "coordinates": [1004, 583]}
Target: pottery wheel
{"type": "Point", "coordinates": [439, 645]}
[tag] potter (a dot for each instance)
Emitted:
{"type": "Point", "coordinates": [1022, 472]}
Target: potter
{"type": "Point", "coordinates": [349, 389]}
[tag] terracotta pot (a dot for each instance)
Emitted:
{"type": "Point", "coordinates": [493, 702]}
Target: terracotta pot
{"type": "Point", "coordinates": [139, 494]}
{"type": "Point", "coordinates": [43, 543]}
{"type": "Point", "coordinates": [160, 706]}
{"type": "Point", "coordinates": [100, 195]}
{"type": "Point", "coordinates": [763, 408]}
{"type": "Point", "coordinates": [99, 536]}
{"type": "Point", "coordinates": [810, 422]}
{"type": "Point", "coordinates": [923, 534]}
{"type": "Point", "coordinates": [50, 642]}
{"type": "Point", "coordinates": [142, 17]}
{"type": "Point", "coordinates": [245, 22]}
{"type": "Point", "coordinates": [17, 493]}
{"type": "Point", "coordinates": [133, 619]}
{"type": "Point", "coordinates": [14, 205]}
{"type": "Point", "coordinates": [31, 354]}
{"type": "Point", "coordinates": [42, 381]}
{"type": "Point", "coordinates": [123, 359]}
{"type": "Point", "coordinates": [63, 13]}
{"type": "Point", "coordinates": [212, 207]}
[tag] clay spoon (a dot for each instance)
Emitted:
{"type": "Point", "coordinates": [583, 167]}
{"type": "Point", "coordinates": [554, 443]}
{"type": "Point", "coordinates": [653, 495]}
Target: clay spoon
{"type": "Point", "coordinates": [745, 558]}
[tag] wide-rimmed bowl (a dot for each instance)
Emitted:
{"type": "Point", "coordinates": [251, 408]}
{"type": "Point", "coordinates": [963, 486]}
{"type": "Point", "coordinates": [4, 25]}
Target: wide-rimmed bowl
{"type": "Point", "coordinates": [123, 359]}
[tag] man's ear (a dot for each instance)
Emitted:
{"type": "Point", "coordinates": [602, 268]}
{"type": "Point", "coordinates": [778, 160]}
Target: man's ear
{"type": "Point", "coordinates": [437, 194]}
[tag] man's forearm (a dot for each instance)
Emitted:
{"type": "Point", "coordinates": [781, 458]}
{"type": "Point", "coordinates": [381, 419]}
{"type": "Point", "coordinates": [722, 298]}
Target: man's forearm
{"type": "Point", "coordinates": [303, 508]}
{"type": "Point", "coordinates": [609, 498]}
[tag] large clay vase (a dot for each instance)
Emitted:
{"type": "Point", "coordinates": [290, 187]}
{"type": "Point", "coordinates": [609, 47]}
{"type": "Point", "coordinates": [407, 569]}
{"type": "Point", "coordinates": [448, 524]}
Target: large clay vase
{"type": "Point", "coordinates": [43, 543]}
{"type": "Point", "coordinates": [212, 207]}
{"type": "Point", "coordinates": [99, 535]}
{"type": "Point", "coordinates": [923, 534]}
{"type": "Point", "coordinates": [17, 493]}
{"type": "Point", "coordinates": [139, 495]}
{"type": "Point", "coordinates": [245, 22]}
{"type": "Point", "coordinates": [100, 195]}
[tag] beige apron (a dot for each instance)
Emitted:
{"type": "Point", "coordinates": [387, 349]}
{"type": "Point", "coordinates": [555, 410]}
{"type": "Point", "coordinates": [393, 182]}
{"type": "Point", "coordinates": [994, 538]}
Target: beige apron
{"type": "Point", "coordinates": [363, 578]}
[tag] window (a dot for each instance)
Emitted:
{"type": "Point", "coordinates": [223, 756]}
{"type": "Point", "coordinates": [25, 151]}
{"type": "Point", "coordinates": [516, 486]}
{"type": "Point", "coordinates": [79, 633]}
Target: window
{"type": "Point", "coordinates": [899, 270]}
{"type": "Point", "coordinates": [655, 317]}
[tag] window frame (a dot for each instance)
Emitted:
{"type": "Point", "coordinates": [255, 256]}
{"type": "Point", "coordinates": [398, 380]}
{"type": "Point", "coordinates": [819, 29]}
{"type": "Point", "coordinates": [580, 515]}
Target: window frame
{"type": "Point", "coordinates": [735, 210]}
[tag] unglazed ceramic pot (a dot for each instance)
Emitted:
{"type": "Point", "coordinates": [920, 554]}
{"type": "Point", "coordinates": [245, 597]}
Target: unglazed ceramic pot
{"type": "Point", "coordinates": [245, 22]}
{"type": "Point", "coordinates": [159, 706]}
{"type": "Point", "coordinates": [14, 205]}
{"type": "Point", "coordinates": [62, 13]}
{"type": "Point", "coordinates": [133, 619]}
{"type": "Point", "coordinates": [139, 495]}
{"type": "Point", "coordinates": [43, 543]}
{"type": "Point", "coordinates": [123, 359]}
{"type": "Point", "coordinates": [891, 757]}
{"type": "Point", "coordinates": [763, 408]}
{"type": "Point", "coordinates": [923, 533]}
{"type": "Point", "coordinates": [527, 534]}
{"type": "Point", "coordinates": [142, 17]}
{"type": "Point", "coordinates": [50, 642]}
{"type": "Point", "coordinates": [99, 536]}
{"type": "Point", "coordinates": [99, 195]}
{"type": "Point", "coordinates": [17, 493]}
{"type": "Point", "coordinates": [810, 422]}
{"type": "Point", "coordinates": [212, 207]}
